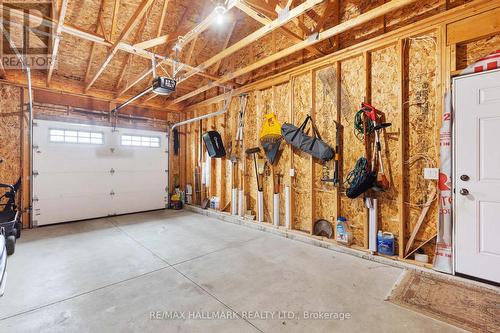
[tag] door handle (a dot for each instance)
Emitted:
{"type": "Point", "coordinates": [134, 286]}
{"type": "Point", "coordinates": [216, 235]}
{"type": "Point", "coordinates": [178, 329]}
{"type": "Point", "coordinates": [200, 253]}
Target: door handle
{"type": "Point", "coordinates": [464, 178]}
{"type": "Point", "coordinates": [464, 191]}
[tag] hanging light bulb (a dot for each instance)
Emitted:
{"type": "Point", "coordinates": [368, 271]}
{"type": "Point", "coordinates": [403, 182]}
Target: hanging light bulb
{"type": "Point", "coordinates": [220, 10]}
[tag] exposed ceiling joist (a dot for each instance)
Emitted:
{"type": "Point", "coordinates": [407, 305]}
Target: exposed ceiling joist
{"type": "Point", "coordinates": [215, 70]}
{"type": "Point", "coordinates": [190, 54]}
{"type": "Point", "coordinates": [129, 27]}
{"type": "Point", "coordinates": [147, 44]}
{"type": "Point", "coordinates": [187, 36]}
{"type": "Point", "coordinates": [57, 39]}
{"type": "Point", "coordinates": [308, 4]}
{"type": "Point", "coordinates": [331, 5]}
{"type": "Point", "coordinates": [162, 19]}
{"type": "Point", "coordinates": [114, 21]}
{"type": "Point", "coordinates": [262, 6]}
{"type": "Point", "coordinates": [93, 47]}
{"type": "Point", "coordinates": [128, 58]}
{"type": "Point", "coordinates": [362, 18]}
{"type": "Point", "coordinates": [259, 17]}
{"type": "Point", "coordinates": [158, 33]}
{"type": "Point", "coordinates": [147, 72]}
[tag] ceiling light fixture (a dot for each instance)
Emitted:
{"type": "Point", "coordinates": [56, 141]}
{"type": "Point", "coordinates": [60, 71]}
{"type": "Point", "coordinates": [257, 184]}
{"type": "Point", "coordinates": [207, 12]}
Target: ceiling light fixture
{"type": "Point", "coordinates": [220, 10]}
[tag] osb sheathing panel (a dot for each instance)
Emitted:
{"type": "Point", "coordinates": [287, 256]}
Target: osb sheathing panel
{"type": "Point", "coordinates": [325, 114]}
{"type": "Point", "coordinates": [265, 107]}
{"type": "Point", "coordinates": [261, 50]}
{"type": "Point", "coordinates": [350, 9]}
{"type": "Point", "coordinates": [416, 11]}
{"type": "Point", "coordinates": [411, 13]}
{"type": "Point", "coordinates": [188, 129]}
{"type": "Point", "coordinates": [281, 108]}
{"type": "Point", "coordinates": [324, 206]}
{"type": "Point", "coordinates": [250, 141]}
{"type": "Point", "coordinates": [423, 132]}
{"type": "Point", "coordinates": [220, 163]}
{"type": "Point", "coordinates": [352, 94]}
{"type": "Point", "coordinates": [301, 107]}
{"type": "Point", "coordinates": [385, 97]}
{"type": "Point", "coordinates": [230, 125]}
{"type": "Point", "coordinates": [470, 52]}
{"type": "Point", "coordinates": [10, 133]}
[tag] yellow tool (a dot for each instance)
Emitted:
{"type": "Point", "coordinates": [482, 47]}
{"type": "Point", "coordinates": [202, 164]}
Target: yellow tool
{"type": "Point", "coordinates": [271, 129]}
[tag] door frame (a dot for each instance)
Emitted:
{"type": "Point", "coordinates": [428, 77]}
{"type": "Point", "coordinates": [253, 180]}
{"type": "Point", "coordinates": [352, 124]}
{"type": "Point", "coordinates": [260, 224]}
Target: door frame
{"type": "Point", "coordinates": [454, 164]}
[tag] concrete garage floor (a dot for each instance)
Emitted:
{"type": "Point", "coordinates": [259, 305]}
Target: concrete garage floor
{"type": "Point", "coordinates": [111, 274]}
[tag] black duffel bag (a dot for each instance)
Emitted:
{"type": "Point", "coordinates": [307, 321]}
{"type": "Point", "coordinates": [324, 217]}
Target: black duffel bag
{"type": "Point", "coordinates": [312, 145]}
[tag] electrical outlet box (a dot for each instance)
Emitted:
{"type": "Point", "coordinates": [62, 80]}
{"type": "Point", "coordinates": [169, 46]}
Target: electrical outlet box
{"type": "Point", "coordinates": [431, 173]}
{"type": "Point", "coordinates": [292, 172]}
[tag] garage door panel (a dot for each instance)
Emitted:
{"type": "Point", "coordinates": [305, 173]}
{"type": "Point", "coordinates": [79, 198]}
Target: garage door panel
{"type": "Point", "coordinates": [77, 181]}
{"type": "Point", "coordinates": [132, 181]}
{"type": "Point", "coordinates": [60, 185]}
{"type": "Point", "coordinates": [70, 164]}
{"type": "Point", "coordinates": [70, 208]}
{"type": "Point", "coordinates": [151, 161]}
{"type": "Point", "coordinates": [129, 202]}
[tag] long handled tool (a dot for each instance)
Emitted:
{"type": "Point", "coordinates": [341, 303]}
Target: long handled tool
{"type": "Point", "coordinates": [238, 144]}
{"type": "Point", "coordinates": [241, 119]}
{"type": "Point", "coordinates": [336, 174]}
{"type": "Point", "coordinates": [276, 199]}
{"type": "Point", "coordinates": [371, 113]}
{"type": "Point", "coordinates": [234, 188]}
{"type": "Point", "coordinates": [260, 193]}
{"type": "Point", "coordinates": [338, 129]}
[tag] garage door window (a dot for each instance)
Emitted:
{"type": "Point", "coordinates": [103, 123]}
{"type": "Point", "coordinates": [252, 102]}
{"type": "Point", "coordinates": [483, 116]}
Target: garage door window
{"type": "Point", "coordinates": [140, 141]}
{"type": "Point", "coordinates": [72, 136]}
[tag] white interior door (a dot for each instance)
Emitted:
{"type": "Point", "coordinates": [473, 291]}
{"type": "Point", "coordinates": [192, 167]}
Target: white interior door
{"type": "Point", "coordinates": [477, 175]}
{"type": "Point", "coordinates": [76, 179]}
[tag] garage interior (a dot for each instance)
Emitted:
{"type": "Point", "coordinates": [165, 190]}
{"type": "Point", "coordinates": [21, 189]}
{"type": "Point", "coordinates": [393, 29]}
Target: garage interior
{"type": "Point", "coordinates": [250, 165]}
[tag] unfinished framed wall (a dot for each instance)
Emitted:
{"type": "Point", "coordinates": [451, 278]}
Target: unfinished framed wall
{"type": "Point", "coordinates": [404, 73]}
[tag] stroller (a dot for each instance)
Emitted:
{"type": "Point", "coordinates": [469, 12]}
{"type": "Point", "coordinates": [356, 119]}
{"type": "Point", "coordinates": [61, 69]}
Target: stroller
{"type": "Point", "coordinates": [10, 220]}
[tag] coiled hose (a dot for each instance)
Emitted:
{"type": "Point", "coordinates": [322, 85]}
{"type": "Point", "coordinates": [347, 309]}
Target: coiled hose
{"type": "Point", "coordinates": [359, 129]}
{"type": "Point", "coordinates": [357, 174]}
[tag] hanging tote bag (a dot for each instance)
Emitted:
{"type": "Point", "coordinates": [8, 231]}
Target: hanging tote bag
{"type": "Point", "coordinates": [312, 145]}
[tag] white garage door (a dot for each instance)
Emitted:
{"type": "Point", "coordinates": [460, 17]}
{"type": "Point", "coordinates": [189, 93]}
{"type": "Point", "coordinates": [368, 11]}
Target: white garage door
{"type": "Point", "coordinates": [86, 171]}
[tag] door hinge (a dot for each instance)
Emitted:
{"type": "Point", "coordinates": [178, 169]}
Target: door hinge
{"type": "Point", "coordinates": [35, 173]}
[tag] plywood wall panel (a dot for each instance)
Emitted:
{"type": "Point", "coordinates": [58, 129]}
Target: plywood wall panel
{"type": "Point", "coordinates": [302, 90]}
{"type": "Point", "coordinates": [265, 107]}
{"type": "Point", "coordinates": [470, 52]}
{"type": "Point", "coordinates": [10, 133]}
{"type": "Point", "coordinates": [325, 116]}
{"type": "Point", "coordinates": [385, 97]}
{"type": "Point", "coordinates": [423, 128]}
{"type": "Point", "coordinates": [250, 141]}
{"type": "Point", "coordinates": [281, 104]}
{"type": "Point", "coordinates": [352, 94]}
